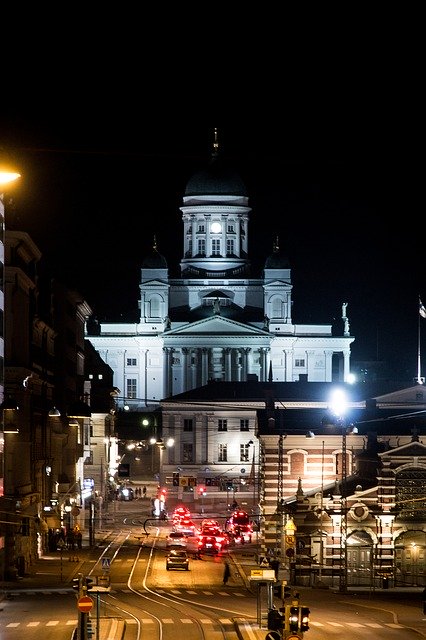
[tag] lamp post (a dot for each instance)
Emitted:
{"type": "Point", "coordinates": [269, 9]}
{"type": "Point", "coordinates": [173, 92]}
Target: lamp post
{"type": "Point", "coordinates": [339, 406]}
{"type": "Point", "coordinates": [7, 176]}
{"type": "Point", "coordinates": [79, 414]}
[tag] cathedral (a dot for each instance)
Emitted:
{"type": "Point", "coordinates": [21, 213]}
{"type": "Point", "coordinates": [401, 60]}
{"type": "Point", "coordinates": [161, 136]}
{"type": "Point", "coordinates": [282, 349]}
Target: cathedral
{"type": "Point", "coordinates": [216, 322]}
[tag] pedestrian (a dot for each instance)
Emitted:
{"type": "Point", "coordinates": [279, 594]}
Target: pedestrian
{"type": "Point", "coordinates": [226, 573]}
{"type": "Point", "coordinates": [144, 492]}
{"type": "Point", "coordinates": [424, 601]}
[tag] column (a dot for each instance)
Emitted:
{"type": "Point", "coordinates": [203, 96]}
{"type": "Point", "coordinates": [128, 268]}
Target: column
{"type": "Point", "coordinates": [185, 354]}
{"type": "Point", "coordinates": [228, 364]}
{"type": "Point", "coordinates": [193, 366]}
{"type": "Point", "coordinates": [288, 365]}
{"type": "Point", "coordinates": [194, 236]}
{"type": "Point", "coordinates": [244, 371]}
{"type": "Point", "coordinates": [346, 364]}
{"type": "Point", "coordinates": [204, 365]}
{"type": "Point", "coordinates": [167, 371]}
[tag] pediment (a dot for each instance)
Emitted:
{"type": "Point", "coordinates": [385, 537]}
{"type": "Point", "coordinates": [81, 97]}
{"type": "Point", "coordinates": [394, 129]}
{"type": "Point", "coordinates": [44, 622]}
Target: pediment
{"type": "Point", "coordinates": [216, 325]}
{"type": "Point", "coordinates": [410, 395]}
{"type": "Point", "coordinates": [155, 283]}
{"type": "Point", "coordinates": [276, 283]}
{"type": "Point", "coordinates": [411, 449]}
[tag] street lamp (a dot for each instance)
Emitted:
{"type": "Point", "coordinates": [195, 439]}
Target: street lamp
{"type": "Point", "coordinates": [7, 176]}
{"type": "Point", "coordinates": [338, 406]}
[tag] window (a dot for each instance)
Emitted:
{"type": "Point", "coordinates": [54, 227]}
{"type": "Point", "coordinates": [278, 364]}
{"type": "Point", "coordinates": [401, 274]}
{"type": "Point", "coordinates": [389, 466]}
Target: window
{"type": "Point", "coordinates": [244, 424]}
{"type": "Point", "coordinates": [299, 362]}
{"type": "Point", "coordinates": [25, 526]}
{"type": "Point", "coordinates": [244, 452]}
{"type": "Point", "coordinates": [215, 247]}
{"type": "Point", "coordinates": [222, 425]}
{"type": "Point", "coordinates": [201, 247]}
{"type": "Point", "coordinates": [230, 247]}
{"type": "Point", "coordinates": [187, 424]}
{"type": "Point", "coordinates": [223, 453]}
{"type": "Point", "coordinates": [410, 498]}
{"type": "Point", "coordinates": [187, 452]}
{"type": "Point", "coordinates": [201, 228]}
{"type": "Point", "coordinates": [230, 228]}
{"type": "Point", "coordinates": [131, 388]}
{"type": "Point", "coordinates": [154, 307]}
{"type": "Point", "coordinates": [131, 362]}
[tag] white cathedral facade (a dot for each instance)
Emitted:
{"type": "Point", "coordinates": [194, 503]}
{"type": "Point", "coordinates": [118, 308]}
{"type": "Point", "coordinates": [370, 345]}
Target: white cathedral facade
{"type": "Point", "coordinates": [216, 322]}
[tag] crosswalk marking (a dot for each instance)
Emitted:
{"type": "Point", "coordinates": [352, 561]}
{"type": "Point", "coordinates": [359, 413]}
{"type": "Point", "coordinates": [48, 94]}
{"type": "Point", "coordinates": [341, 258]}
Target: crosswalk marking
{"type": "Point", "coordinates": [207, 621]}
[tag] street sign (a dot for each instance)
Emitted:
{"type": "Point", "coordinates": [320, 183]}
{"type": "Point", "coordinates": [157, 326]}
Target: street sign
{"type": "Point", "coordinates": [273, 635]}
{"type": "Point", "coordinates": [85, 604]}
{"type": "Point", "coordinates": [106, 563]}
{"type": "Point", "coordinates": [262, 574]}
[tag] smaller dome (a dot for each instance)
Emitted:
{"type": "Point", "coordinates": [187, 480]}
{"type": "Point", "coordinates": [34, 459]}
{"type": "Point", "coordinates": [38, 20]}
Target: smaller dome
{"type": "Point", "coordinates": [277, 259]}
{"type": "Point", "coordinates": [154, 260]}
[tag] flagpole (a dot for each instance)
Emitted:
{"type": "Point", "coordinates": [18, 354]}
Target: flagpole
{"type": "Point", "coordinates": [419, 373]}
{"type": "Point", "coordinates": [422, 314]}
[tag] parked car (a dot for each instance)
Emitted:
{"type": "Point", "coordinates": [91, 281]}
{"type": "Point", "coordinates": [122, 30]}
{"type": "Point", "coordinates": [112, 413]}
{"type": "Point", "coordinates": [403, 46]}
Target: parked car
{"type": "Point", "coordinates": [177, 559]}
{"type": "Point", "coordinates": [175, 539]}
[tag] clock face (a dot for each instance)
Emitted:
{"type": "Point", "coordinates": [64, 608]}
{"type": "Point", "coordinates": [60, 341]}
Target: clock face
{"type": "Point", "coordinates": [216, 227]}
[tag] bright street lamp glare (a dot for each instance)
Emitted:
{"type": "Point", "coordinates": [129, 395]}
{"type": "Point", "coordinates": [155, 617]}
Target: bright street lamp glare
{"type": "Point", "coordinates": [338, 402]}
{"type": "Point", "coordinates": [8, 176]}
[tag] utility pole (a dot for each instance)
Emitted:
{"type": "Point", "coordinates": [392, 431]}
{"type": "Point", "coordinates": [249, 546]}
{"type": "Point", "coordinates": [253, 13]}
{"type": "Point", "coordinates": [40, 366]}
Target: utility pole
{"type": "Point", "coordinates": [343, 583]}
{"type": "Point", "coordinates": [280, 541]}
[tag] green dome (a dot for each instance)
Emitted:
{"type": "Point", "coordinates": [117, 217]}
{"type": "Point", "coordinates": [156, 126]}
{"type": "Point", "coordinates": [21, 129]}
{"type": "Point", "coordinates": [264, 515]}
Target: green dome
{"type": "Point", "coordinates": [217, 179]}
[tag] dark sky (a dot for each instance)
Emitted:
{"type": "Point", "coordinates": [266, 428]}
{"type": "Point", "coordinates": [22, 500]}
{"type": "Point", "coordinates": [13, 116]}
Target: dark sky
{"type": "Point", "coordinates": [346, 206]}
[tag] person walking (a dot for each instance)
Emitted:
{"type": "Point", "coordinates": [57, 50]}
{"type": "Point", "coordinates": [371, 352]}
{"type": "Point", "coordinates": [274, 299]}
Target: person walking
{"type": "Point", "coordinates": [226, 573]}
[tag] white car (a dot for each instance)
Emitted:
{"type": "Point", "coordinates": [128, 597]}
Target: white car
{"type": "Point", "coordinates": [176, 539]}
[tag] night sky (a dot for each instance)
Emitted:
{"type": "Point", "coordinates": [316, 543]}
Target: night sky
{"type": "Point", "coordinates": [347, 210]}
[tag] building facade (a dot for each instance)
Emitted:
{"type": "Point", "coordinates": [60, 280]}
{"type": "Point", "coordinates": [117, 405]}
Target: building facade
{"type": "Point", "coordinates": [216, 322]}
{"type": "Point", "coordinates": [352, 489]}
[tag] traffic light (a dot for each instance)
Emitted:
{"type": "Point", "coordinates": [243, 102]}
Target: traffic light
{"type": "Point", "coordinates": [293, 618]}
{"type": "Point", "coordinates": [88, 583]}
{"type": "Point", "coordinates": [275, 620]}
{"type": "Point", "coordinates": [286, 592]}
{"type": "Point", "coordinates": [175, 479]}
{"type": "Point", "coordinates": [202, 491]}
{"type": "Point", "coordinates": [77, 585]}
{"type": "Point", "coordinates": [304, 618]}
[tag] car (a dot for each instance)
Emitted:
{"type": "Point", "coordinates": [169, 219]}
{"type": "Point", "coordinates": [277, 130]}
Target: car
{"type": "Point", "coordinates": [239, 526]}
{"type": "Point", "coordinates": [177, 559]}
{"type": "Point", "coordinates": [182, 512]}
{"type": "Point", "coordinates": [185, 527]}
{"type": "Point", "coordinates": [209, 544]}
{"type": "Point", "coordinates": [175, 539]}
